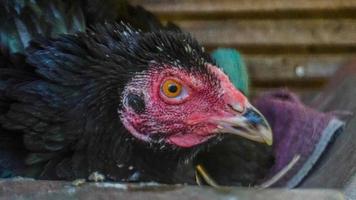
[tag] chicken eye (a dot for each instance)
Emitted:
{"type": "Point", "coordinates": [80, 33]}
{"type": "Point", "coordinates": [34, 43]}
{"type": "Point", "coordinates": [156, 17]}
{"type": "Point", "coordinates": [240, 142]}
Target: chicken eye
{"type": "Point", "coordinates": [171, 88]}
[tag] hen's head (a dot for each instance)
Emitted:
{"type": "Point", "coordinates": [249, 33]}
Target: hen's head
{"type": "Point", "coordinates": [178, 96]}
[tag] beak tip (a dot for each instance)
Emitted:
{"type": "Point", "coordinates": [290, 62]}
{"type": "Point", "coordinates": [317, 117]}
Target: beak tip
{"type": "Point", "coordinates": [268, 138]}
{"type": "Point", "coordinates": [266, 135]}
{"type": "Point", "coordinates": [269, 142]}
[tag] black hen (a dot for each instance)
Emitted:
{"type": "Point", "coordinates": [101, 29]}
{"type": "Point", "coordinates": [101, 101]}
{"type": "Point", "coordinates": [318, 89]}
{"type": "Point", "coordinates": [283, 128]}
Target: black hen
{"type": "Point", "coordinates": [130, 104]}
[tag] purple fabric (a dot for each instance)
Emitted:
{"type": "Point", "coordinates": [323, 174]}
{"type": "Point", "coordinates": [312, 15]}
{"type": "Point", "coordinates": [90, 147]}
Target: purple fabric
{"type": "Point", "coordinates": [297, 130]}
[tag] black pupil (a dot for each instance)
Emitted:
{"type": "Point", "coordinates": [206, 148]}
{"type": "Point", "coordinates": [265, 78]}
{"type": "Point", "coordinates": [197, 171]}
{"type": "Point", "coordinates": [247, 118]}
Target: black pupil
{"type": "Point", "coordinates": [172, 88]}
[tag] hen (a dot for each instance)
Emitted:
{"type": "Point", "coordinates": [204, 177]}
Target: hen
{"type": "Point", "coordinates": [130, 103]}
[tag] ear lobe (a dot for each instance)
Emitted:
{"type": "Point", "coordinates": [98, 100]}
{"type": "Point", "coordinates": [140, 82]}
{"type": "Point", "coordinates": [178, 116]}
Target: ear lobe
{"type": "Point", "coordinates": [136, 102]}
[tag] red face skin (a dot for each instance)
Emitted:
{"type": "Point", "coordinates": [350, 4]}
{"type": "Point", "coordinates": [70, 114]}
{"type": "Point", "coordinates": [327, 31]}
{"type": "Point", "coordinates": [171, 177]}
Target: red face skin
{"type": "Point", "coordinates": [185, 121]}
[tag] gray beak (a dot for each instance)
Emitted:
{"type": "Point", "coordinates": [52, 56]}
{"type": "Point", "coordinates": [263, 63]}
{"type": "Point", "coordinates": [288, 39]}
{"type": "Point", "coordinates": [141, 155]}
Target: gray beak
{"type": "Point", "coordinates": [251, 125]}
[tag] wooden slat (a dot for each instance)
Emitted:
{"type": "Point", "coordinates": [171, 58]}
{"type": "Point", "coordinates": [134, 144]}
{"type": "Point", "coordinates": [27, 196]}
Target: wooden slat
{"type": "Point", "coordinates": [303, 74]}
{"type": "Point", "coordinates": [325, 34]}
{"type": "Point", "coordinates": [58, 190]}
{"type": "Point", "coordinates": [181, 8]}
{"type": "Point", "coordinates": [286, 67]}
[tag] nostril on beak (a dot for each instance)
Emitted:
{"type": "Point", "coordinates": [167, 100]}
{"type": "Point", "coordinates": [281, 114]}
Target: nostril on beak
{"type": "Point", "coordinates": [236, 107]}
{"type": "Point", "coordinates": [255, 118]}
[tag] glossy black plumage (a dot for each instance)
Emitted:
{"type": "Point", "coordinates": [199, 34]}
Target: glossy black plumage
{"type": "Point", "coordinates": [64, 102]}
{"type": "Point", "coordinates": [61, 94]}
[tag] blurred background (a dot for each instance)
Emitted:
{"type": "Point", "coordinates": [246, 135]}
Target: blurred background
{"type": "Point", "coordinates": [297, 44]}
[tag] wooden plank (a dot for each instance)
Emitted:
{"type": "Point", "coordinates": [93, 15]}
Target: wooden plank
{"type": "Point", "coordinates": [302, 74]}
{"type": "Point", "coordinates": [318, 33]}
{"type": "Point", "coordinates": [181, 8]}
{"type": "Point", "coordinates": [169, 6]}
{"type": "Point", "coordinates": [284, 68]}
{"type": "Point", "coordinates": [58, 190]}
{"type": "Point", "coordinates": [337, 167]}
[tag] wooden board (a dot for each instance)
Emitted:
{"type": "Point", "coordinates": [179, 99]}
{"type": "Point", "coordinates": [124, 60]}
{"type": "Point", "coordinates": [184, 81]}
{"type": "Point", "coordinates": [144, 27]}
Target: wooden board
{"type": "Point", "coordinates": [287, 67]}
{"type": "Point", "coordinates": [322, 34]}
{"type": "Point", "coordinates": [59, 190]}
{"type": "Point", "coordinates": [303, 74]}
{"type": "Point", "coordinates": [247, 8]}
{"type": "Point", "coordinates": [337, 167]}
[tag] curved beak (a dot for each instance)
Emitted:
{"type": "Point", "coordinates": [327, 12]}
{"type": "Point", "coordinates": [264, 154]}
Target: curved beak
{"type": "Point", "coordinates": [251, 125]}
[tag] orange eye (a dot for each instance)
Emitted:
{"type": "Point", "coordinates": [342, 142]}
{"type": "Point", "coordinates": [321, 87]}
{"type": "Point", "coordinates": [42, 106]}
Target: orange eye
{"type": "Point", "coordinates": [171, 88]}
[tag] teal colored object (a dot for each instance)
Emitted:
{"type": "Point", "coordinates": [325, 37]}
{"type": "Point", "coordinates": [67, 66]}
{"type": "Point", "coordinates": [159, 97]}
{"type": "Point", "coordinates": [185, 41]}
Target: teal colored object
{"type": "Point", "coordinates": [234, 66]}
